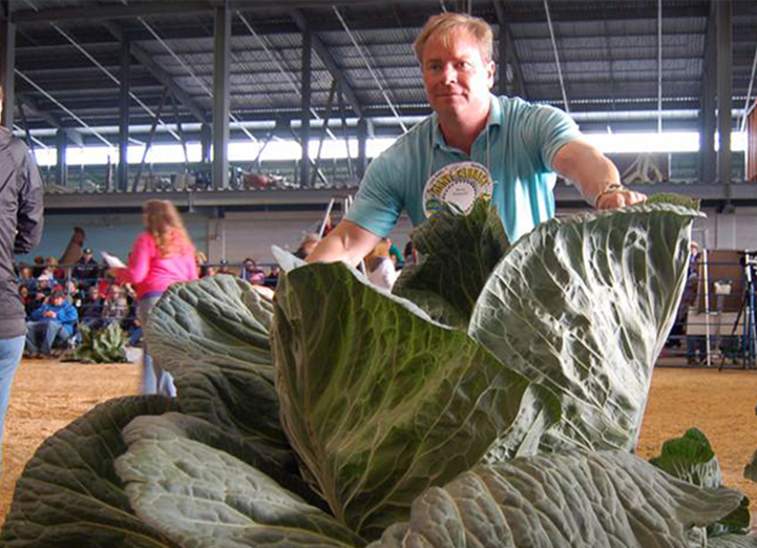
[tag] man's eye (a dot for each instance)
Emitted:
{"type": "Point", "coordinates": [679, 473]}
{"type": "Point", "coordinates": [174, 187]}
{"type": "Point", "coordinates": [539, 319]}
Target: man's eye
{"type": "Point", "coordinates": [434, 67]}
{"type": "Point", "coordinates": [465, 65]}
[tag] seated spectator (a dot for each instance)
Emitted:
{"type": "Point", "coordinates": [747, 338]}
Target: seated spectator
{"type": "Point", "coordinates": [54, 267]}
{"type": "Point", "coordinates": [251, 273]}
{"type": "Point", "coordinates": [115, 307]}
{"type": "Point", "coordinates": [26, 278]}
{"type": "Point", "coordinates": [23, 293]}
{"type": "Point", "coordinates": [273, 278]}
{"type": "Point", "coordinates": [379, 267]}
{"type": "Point", "coordinates": [73, 293]}
{"type": "Point", "coordinates": [307, 245]}
{"type": "Point", "coordinates": [45, 286]}
{"type": "Point", "coordinates": [39, 266]}
{"type": "Point", "coordinates": [48, 275]}
{"type": "Point", "coordinates": [52, 324]}
{"type": "Point", "coordinates": [203, 268]}
{"type": "Point", "coordinates": [86, 270]}
{"type": "Point", "coordinates": [34, 302]}
{"type": "Point", "coordinates": [91, 309]}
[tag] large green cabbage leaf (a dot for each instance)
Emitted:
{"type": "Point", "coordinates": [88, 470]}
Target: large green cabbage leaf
{"type": "Point", "coordinates": [606, 498]}
{"type": "Point", "coordinates": [458, 254]}
{"type": "Point", "coordinates": [583, 306]}
{"type": "Point", "coordinates": [204, 497]}
{"type": "Point", "coordinates": [212, 335]}
{"type": "Point", "coordinates": [379, 401]}
{"type": "Point", "coordinates": [69, 495]}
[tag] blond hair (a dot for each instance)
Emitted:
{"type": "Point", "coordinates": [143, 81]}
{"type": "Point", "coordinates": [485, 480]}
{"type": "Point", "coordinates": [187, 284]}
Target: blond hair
{"type": "Point", "coordinates": [163, 222]}
{"type": "Point", "coordinates": [444, 24]}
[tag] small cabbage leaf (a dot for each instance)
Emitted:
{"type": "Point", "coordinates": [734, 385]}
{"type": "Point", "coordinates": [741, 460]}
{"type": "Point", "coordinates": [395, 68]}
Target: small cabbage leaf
{"type": "Point", "coordinates": [691, 458]}
{"type": "Point", "coordinates": [200, 496]}
{"type": "Point", "coordinates": [378, 401]}
{"type": "Point", "coordinates": [212, 335]}
{"type": "Point", "coordinates": [457, 254]}
{"type": "Point", "coordinates": [583, 306]}
{"type": "Point", "coordinates": [605, 498]}
{"type": "Point", "coordinates": [69, 494]}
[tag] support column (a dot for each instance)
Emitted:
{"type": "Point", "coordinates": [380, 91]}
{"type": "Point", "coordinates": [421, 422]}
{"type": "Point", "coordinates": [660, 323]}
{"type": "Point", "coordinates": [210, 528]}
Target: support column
{"type": "Point", "coordinates": [305, 128]}
{"type": "Point", "coordinates": [362, 146]}
{"type": "Point", "coordinates": [707, 158]}
{"type": "Point", "coordinates": [206, 140]}
{"type": "Point", "coordinates": [61, 168]}
{"type": "Point", "coordinates": [7, 66]}
{"type": "Point", "coordinates": [123, 120]}
{"type": "Point", "coordinates": [221, 64]}
{"type": "Point", "coordinates": [725, 85]}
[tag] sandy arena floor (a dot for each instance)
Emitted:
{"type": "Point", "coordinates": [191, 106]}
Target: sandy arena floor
{"type": "Point", "coordinates": [47, 395]}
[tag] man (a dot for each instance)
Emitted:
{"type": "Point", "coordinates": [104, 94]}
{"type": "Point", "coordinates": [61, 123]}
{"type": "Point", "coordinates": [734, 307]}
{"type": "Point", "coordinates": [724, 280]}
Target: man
{"type": "Point", "coordinates": [53, 322]}
{"type": "Point", "coordinates": [91, 309]}
{"type": "Point", "coordinates": [20, 231]}
{"type": "Point", "coordinates": [473, 144]}
{"type": "Point", "coordinates": [86, 270]}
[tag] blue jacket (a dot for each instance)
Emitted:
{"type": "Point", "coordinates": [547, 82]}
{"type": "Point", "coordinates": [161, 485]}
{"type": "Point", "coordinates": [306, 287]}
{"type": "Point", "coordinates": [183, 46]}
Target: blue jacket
{"type": "Point", "coordinates": [65, 314]}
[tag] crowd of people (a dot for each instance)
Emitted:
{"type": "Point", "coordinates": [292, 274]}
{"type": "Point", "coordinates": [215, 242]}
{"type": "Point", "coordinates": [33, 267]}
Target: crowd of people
{"type": "Point", "coordinates": [58, 299]}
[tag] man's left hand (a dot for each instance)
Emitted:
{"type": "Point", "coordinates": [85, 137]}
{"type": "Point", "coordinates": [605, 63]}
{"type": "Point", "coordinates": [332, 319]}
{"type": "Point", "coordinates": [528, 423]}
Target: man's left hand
{"type": "Point", "coordinates": [620, 198]}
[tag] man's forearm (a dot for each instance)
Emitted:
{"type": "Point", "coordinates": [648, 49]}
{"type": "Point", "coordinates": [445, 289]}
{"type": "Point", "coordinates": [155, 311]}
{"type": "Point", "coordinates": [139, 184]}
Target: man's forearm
{"type": "Point", "coordinates": [590, 170]}
{"type": "Point", "coordinates": [329, 250]}
{"type": "Point", "coordinates": [348, 242]}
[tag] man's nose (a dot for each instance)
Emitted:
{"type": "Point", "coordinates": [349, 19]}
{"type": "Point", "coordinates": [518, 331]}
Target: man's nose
{"type": "Point", "coordinates": [449, 74]}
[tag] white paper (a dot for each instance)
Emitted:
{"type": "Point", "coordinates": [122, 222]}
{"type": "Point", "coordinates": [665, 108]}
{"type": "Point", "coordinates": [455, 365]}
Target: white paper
{"type": "Point", "coordinates": [112, 261]}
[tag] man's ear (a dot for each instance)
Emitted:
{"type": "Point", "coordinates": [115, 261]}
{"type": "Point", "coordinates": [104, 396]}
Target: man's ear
{"type": "Point", "coordinates": [491, 70]}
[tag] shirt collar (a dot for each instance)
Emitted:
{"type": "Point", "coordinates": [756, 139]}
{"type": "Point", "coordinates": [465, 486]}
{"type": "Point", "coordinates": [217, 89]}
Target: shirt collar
{"type": "Point", "coordinates": [495, 119]}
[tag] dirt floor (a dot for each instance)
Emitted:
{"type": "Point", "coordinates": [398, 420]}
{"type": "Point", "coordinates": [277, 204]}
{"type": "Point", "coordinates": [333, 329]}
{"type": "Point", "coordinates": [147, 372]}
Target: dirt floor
{"type": "Point", "coordinates": [47, 395]}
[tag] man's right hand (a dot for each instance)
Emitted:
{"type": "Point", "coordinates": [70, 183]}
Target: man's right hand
{"type": "Point", "coordinates": [348, 242]}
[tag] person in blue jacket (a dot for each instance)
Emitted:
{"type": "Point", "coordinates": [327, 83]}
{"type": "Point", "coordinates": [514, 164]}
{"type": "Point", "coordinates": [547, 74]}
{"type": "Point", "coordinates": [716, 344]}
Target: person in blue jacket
{"type": "Point", "coordinates": [53, 322]}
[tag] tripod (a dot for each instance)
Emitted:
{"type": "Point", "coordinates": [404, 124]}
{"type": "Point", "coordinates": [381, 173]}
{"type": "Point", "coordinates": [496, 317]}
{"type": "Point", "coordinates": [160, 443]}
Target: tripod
{"type": "Point", "coordinates": [747, 348]}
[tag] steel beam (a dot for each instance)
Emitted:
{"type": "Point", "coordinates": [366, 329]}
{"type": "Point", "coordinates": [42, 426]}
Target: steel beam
{"type": "Point", "coordinates": [61, 167]}
{"type": "Point", "coordinates": [123, 125]}
{"type": "Point", "coordinates": [724, 10]}
{"type": "Point", "coordinates": [293, 200]}
{"type": "Point", "coordinates": [362, 141]}
{"type": "Point", "coordinates": [206, 141]}
{"type": "Point", "coordinates": [307, 58]}
{"type": "Point", "coordinates": [508, 57]}
{"type": "Point", "coordinates": [221, 98]}
{"type": "Point", "coordinates": [7, 66]}
{"type": "Point", "coordinates": [110, 11]}
{"type": "Point", "coordinates": [707, 157]}
{"type": "Point", "coordinates": [144, 57]}
{"type": "Point", "coordinates": [328, 60]}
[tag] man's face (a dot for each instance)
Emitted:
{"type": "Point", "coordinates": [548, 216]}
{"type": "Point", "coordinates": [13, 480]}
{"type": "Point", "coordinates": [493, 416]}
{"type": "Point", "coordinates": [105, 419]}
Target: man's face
{"type": "Point", "coordinates": [456, 77]}
{"type": "Point", "coordinates": [58, 301]}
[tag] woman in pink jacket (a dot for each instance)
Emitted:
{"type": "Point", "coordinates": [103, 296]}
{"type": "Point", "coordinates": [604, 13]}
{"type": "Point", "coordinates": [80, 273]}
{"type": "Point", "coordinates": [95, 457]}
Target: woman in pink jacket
{"type": "Point", "coordinates": [162, 255]}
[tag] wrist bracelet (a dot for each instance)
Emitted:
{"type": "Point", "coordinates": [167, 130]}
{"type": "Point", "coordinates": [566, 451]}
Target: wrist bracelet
{"type": "Point", "coordinates": [609, 189]}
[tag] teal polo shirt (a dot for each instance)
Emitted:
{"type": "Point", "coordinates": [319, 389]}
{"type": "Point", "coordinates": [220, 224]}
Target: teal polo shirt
{"type": "Point", "coordinates": [517, 147]}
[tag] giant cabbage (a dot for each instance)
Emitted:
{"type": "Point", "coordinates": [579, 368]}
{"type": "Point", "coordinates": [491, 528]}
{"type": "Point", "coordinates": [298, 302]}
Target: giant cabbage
{"type": "Point", "coordinates": [494, 400]}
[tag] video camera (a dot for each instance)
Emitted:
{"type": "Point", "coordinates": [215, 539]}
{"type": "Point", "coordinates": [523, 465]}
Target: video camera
{"type": "Point", "coordinates": [748, 260]}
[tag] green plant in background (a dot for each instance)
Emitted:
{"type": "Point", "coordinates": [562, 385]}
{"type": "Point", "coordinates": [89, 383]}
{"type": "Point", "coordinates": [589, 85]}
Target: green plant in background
{"type": "Point", "coordinates": [494, 401]}
{"type": "Point", "coordinates": [106, 345]}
